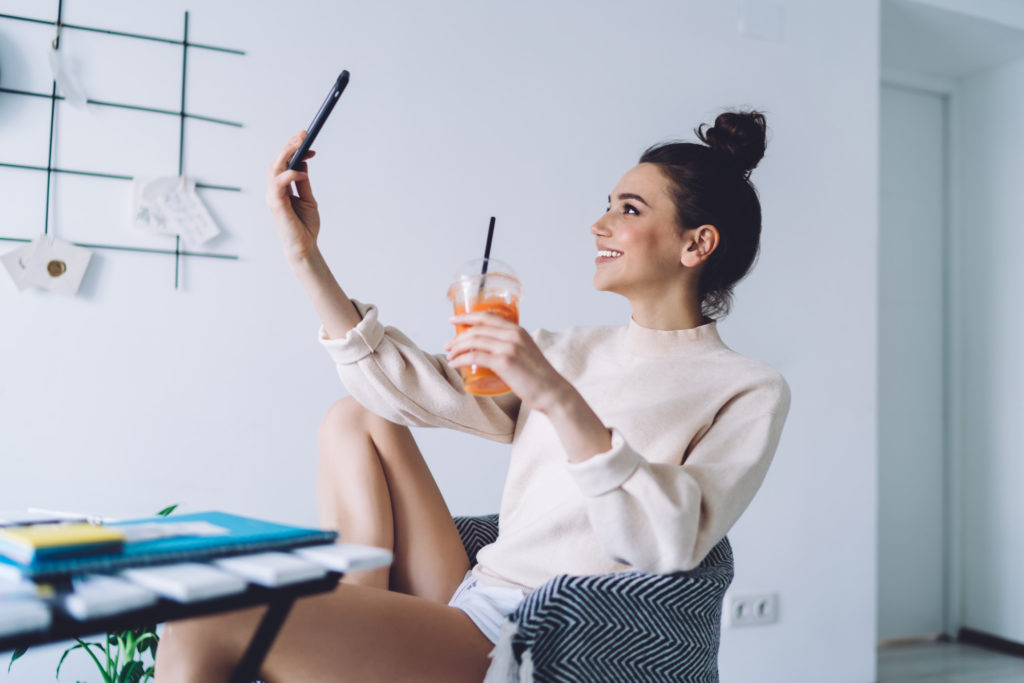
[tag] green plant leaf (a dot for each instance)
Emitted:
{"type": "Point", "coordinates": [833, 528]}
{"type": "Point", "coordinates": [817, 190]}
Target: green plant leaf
{"type": "Point", "coordinates": [131, 673]}
{"type": "Point", "coordinates": [168, 510]}
{"type": "Point", "coordinates": [82, 645]}
{"type": "Point", "coordinates": [64, 656]}
{"type": "Point", "coordinates": [88, 650]}
{"type": "Point", "coordinates": [147, 641]}
{"type": "Point", "coordinates": [15, 656]}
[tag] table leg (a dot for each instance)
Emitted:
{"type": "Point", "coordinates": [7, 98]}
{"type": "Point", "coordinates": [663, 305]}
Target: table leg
{"type": "Point", "coordinates": [248, 668]}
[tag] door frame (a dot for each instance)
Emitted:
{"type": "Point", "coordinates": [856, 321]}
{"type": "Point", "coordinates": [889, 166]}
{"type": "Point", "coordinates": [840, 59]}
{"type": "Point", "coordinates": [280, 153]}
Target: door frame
{"type": "Point", "coordinates": [952, 295]}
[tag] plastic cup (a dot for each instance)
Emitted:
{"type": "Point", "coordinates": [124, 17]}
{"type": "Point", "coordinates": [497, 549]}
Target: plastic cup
{"type": "Point", "coordinates": [496, 291]}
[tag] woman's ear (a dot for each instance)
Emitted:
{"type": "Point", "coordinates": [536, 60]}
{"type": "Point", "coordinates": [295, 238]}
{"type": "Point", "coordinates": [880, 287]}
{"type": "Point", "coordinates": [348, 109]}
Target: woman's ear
{"type": "Point", "coordinates": [698, 245]}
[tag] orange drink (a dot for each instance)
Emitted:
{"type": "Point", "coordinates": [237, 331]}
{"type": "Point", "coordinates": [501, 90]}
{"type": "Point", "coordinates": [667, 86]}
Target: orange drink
{"type": "Point", "coordinates": [496, 291]}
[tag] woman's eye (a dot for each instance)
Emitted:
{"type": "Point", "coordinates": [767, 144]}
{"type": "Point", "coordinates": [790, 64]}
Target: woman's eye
{"type": "Point", "coordinates": [629, 208]}
{"type": "Point", "coordinates": [607, 209]}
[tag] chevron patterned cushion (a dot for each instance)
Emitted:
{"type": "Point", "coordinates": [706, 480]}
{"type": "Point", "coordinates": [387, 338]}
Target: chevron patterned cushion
{"type": "Point", "coordinates": [632, 626]}
{"type": "Point", "coordinates": [476, 532]}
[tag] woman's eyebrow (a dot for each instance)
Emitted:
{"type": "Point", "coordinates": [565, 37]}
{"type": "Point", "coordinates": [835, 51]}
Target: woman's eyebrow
{"type": "Point", "coordinates": [630, 195]}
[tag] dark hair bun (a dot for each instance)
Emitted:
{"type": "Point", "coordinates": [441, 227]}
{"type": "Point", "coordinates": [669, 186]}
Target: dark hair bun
{"type": "Point", "coordinates": [739, 135]}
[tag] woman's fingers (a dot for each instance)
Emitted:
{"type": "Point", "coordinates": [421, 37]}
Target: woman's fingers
{"type": "Point", "coordinates": [482, 318]}
{"type": "Point", "coordinates": [302, 185]}
{"type": "Point", "coordinates": [467, 342]}
{"type": "Point", "coordinates": [475, 357]}
{"type": "Point", "coordinates": [478, 334]}
{"type": "Point", "coordinates": [280, 162]}
{"type": "Point", "coordinates": [281, 178]}
{"type": "Point", "coordinates": [280, 187]}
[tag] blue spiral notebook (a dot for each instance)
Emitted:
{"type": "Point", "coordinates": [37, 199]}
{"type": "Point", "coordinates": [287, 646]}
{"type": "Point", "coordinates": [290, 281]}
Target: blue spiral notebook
{"type": "Point", "coordinates": [232, 535]}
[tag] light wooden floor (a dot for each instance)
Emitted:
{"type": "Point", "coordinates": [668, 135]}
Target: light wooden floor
{"type": "Point", "coordinates": [937, 662]}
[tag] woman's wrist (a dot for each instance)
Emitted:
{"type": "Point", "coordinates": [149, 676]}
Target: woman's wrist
{"type": "Point", "coordinates": [337, 313]}
{"type": "Point", "coordinates": [580, 430]}
{"type": "Point", "coordinates": [307, 261]}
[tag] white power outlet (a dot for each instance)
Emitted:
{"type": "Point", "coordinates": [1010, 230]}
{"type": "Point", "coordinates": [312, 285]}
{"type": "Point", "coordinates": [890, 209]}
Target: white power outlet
{"type": "Point", "coordinates": [752, 610]}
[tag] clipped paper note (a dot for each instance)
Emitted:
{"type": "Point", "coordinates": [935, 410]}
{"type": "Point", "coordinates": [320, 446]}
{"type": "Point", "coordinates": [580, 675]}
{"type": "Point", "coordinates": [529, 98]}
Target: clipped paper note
{"type": "Point", "coordinates": [16, 263]}
{"type": "Point", "coordinates": [148, 215]}
{"type": "Point", "coordinates": [56, 265]}
{"type": "Point", "coordinates": [67, 82]}
{"type": "Point", "coordinates": [170, 205]}
{"type": "Point", "coordinates": [186, 212]}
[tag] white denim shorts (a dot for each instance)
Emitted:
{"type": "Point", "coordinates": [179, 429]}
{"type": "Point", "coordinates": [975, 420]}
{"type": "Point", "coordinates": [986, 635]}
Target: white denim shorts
{"type": "Point", "coordinates": [487, 606]}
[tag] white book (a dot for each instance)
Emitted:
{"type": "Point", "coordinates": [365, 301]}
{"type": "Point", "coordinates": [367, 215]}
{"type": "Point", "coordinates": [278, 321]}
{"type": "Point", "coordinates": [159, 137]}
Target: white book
{"type": "Point", "coordinates": [186, 581]}
{"type": "Point", "coordinates": [98, 595]}
{"type": "Point", "coordinates": [346, 557]}
{"type": "Point", "coordinates": [272, 569]}
{"type": "Point", "coordinates": [22, 615]}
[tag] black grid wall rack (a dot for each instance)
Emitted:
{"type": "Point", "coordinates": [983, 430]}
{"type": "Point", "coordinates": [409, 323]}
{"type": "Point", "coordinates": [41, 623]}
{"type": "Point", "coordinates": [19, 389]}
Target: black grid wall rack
{"type": "Point", "coordinates": [177, 252]}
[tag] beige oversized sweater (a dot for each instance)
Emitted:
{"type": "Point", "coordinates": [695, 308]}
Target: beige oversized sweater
{"type": "Point", "coordinates": [694, 428]}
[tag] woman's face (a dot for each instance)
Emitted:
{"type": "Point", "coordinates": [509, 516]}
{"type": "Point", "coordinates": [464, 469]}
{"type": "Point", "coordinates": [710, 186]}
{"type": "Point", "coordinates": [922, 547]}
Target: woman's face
{"type": "Point", "coordinates": [638, 241]}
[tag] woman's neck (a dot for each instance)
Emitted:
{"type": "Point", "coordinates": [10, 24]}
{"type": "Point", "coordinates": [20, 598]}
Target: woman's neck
{"type": "Point", "coordinates": [669, 313]}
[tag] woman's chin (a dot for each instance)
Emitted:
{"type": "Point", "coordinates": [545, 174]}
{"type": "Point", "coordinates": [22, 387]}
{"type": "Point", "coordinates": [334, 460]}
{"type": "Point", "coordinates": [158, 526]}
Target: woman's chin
{"type": "Point", "coordinates": [603, 285]}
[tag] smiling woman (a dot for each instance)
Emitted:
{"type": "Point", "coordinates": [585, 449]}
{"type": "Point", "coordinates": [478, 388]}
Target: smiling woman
{"type": "Point", "coordinates": [634, 447]}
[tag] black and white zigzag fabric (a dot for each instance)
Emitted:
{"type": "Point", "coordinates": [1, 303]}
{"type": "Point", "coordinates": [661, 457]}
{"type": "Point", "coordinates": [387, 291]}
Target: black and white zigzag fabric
{"type": "Point", "coordinates": [630, 627]}
{"type": "Point", "coordinates": [476, 532]}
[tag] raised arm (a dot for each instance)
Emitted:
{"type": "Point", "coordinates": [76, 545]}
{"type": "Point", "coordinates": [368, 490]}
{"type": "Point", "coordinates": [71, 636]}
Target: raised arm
{"type": "Point", "coordinates": [298, 224]}
{"type": "Point", "coordinates": [381, 367]}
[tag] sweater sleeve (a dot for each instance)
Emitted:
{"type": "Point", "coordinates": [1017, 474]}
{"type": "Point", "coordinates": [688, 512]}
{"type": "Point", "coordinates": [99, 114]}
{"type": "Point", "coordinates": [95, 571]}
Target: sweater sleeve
{"type": "Point", "coordinates": [392, 377]}
{"type": "Point", "coordinates": [665, 518]}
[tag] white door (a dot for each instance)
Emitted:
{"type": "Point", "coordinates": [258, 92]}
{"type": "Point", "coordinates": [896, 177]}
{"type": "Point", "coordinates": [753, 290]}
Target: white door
{"type": "Point", "coordinates": [911, 449]}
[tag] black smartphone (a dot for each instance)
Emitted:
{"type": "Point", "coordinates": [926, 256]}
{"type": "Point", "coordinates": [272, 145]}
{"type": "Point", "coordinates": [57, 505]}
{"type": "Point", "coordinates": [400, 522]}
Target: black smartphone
{"type": "Point", "coordinates": [318, 120]}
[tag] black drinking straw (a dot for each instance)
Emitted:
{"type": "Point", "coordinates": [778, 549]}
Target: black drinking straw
{"type": "Point", "coordinates": [487, 248]}
{"type": "Point", "coordinates": [487, 258]}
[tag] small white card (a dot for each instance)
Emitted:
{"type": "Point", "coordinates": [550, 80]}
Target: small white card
{"type": "Point", "coordinates": [49, 263]}
{"type": "Point", "coordinates": [98, 595]}
{"type": "Point", "coordinates": [67, 80]}
{"type": "Point", "coordinates": [346, 557]}
{"type": "Point", "coordinates": [57, 266]}
{"type": "Point", "coordinates": [272, 569]}
{"type": "Point", "coordinates": [169, 205]}
{"type": "Point", "coordinates": [21, 615]}
{"type": "Point", "coordinates": [16, 263]}
{"type": "Point", "coordinates": [148, 215]}
{"type": "Point", "coordinates": [187, 581]}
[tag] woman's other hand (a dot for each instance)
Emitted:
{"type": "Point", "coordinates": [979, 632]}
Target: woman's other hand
{"type": "Point", "coordinates": [296, 216]}
{"type": "Point", "coordinates": [510, 352]}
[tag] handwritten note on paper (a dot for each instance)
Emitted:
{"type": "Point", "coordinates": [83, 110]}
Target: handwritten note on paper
{"type": "Point", "coordinates": [48, 263]}
{"type": "Point", "coordinates": [170, 205]}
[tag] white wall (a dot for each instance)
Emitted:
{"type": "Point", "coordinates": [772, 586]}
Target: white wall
{"type": "Point", "coordinates": [992, 370]}
{"type": "Point", "coordinates": [134, 395]}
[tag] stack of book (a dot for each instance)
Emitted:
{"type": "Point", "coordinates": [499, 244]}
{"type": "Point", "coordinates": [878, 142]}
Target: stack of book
{"type": "Point", "coordinates": [34, 543]}
{"type": "Point", "coordinates": [43, 552]}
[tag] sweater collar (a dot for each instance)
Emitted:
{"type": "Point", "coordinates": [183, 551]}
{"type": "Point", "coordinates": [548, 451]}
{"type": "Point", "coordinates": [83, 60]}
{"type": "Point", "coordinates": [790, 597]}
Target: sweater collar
{"type": "Point", "coordinates": [651, 343]}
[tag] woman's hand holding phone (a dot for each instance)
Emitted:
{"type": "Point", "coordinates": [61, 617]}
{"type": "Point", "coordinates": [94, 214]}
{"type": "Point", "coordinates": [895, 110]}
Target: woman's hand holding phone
{"type": "Point", "coordinates": [298, 224]}
{"type": "Point", "coordinates": [296, 215]}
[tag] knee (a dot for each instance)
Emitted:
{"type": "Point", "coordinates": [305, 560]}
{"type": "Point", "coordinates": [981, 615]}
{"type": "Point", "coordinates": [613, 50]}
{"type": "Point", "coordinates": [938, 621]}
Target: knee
{"type": "Point", "coordinates": [189, 652]}
{"type": "Point", "coordinates": [347, 418]}
{"type": "Point", "coordinates": [343, 417]}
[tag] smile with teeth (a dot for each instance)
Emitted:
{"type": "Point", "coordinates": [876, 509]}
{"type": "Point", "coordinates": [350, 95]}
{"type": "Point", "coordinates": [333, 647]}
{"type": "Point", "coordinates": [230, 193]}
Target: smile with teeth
{"type": "Point", "coordinates": [608, 253]}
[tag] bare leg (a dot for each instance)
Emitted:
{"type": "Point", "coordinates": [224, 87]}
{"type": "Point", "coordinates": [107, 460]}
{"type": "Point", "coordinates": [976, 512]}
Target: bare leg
{"type": "Point", "coordinates": [375, 487]}
{"type": "Point", "coordinates": [352, 634]}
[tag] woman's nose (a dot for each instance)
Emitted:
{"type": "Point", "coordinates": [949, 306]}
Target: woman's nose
{"type": "Point", "coordinates": [599, 227]}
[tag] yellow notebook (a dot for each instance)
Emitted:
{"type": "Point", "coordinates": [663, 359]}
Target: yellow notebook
{"type": "Point", "coordinates": [29, 543]}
